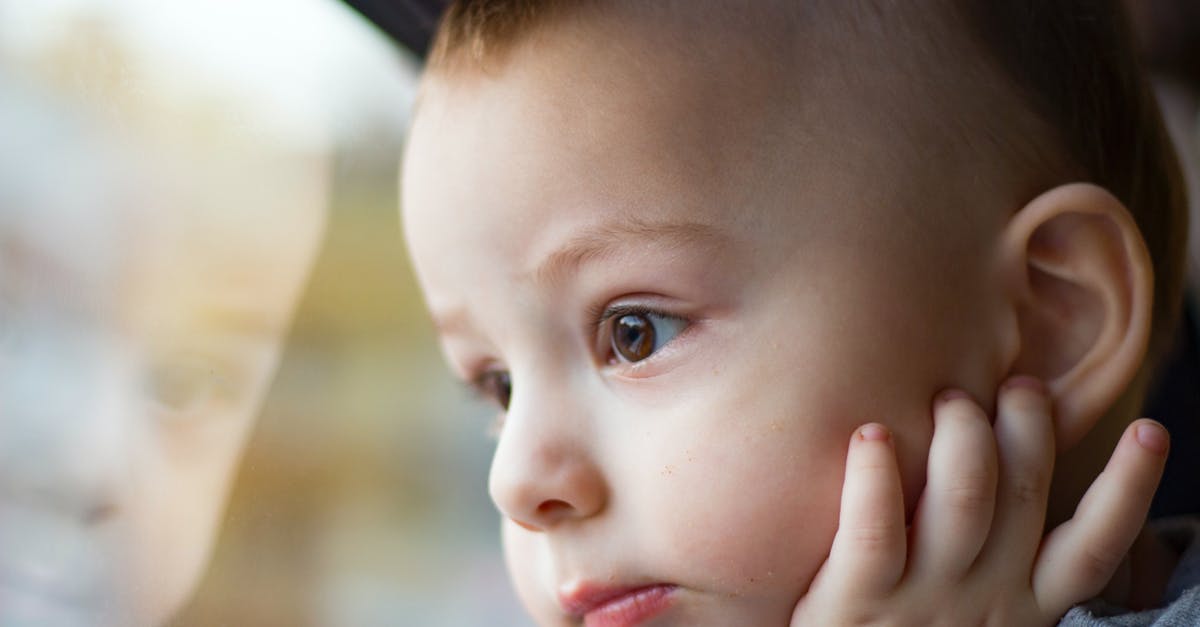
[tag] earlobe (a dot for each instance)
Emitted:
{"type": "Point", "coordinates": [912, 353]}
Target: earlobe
{"type": "Point", "coordinates": [1081, 284]}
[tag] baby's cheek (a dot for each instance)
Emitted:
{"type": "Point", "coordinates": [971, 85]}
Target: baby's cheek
{"type": "Point", "coordinates": [754, 510]}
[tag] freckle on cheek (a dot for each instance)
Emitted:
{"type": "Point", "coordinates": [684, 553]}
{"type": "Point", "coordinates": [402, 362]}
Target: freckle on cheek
{"type": "Point", "coordinates": [770, 574]}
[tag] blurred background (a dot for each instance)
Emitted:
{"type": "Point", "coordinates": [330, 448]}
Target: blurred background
{"type": "Point", "coordinates": [360, 495]}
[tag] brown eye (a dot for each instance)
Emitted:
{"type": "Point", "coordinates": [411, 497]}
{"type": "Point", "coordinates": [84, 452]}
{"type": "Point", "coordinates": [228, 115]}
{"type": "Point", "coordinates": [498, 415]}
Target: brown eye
{"type": "Point", "coordinates": [633, 337]}
{"type": "Point", "coordinates": [636, 333]}
{"type": "Point", "coordinates": [496, 386]}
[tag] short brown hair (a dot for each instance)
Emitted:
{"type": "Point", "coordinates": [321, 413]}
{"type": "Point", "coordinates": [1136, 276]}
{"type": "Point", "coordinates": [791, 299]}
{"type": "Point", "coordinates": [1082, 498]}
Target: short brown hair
{"type": "Point", "coordinates": [1071, 62]}
{"type": "Point", "coordinates": [1074, 62]}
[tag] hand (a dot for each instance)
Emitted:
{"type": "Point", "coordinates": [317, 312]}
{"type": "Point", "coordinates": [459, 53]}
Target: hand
{"type": "Point", "coordinates": [975, 554]}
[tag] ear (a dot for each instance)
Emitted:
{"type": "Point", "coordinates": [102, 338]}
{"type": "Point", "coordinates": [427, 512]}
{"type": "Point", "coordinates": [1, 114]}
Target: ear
{"type": "Point", "coordinates": [1081, 283]}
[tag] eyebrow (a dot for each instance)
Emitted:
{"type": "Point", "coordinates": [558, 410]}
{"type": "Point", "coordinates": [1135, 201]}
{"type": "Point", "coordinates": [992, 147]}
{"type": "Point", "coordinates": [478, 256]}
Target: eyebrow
{"type": "Point", "coordinates": [596, 244]}
{"type": "Point", "coordinates": [606, 240]}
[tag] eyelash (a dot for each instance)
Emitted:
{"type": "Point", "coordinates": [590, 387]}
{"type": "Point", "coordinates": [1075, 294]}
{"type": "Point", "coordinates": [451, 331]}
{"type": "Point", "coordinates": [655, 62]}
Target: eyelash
{"type": "Point", "coordinates": [484, 387]}
{"type": "Point", "coordinates": [487, 384]}
{"type": "Point", "coordinates": [603, 319]}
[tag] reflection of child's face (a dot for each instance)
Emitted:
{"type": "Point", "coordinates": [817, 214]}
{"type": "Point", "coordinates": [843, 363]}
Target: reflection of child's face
{"type": "Point", "coordinates": [140, 324]}
{"type": "Point", "coordinates": [696, 296]}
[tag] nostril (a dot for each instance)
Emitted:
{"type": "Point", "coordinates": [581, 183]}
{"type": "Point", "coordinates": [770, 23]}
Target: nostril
{"type": "Point", "coordinates": [553, 507]}
{"type": "Point", "coordinates": [547, 514]}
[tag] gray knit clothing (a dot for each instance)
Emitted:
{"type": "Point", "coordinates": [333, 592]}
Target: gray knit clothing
{"type": "Point", "coordinates": [1183, 591]}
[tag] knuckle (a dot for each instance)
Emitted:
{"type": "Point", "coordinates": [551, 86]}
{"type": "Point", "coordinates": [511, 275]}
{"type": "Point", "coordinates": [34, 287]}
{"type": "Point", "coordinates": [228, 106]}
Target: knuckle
{"type": "Point", "coordinates": [969, 497]}
{"type": "Point", "coordinates": [1027, 490]}
{"type": "Point", "coordinates": [1095, 565]}
{"type": "Point", "coordinates": [873, 537]}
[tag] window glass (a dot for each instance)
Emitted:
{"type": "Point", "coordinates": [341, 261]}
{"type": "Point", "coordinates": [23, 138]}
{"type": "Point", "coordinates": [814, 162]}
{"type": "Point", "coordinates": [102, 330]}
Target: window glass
{"type": "Point", "coordinates": [220, 402]}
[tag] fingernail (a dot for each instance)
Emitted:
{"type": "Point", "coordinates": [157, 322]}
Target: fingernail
{"type": "Point", "coordinates": [1153, 437]}
{"type": "Point", "coordinates": [950, 395]}
{"type": "Point", "coordinates": [873, 431]}
{"type": "Point", "coordinates": [1025, 381]}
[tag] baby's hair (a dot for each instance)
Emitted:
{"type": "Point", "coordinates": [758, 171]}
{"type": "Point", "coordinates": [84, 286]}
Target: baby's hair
{"type": "Point", "coordinates": [1075, 63]}
{"type": "Point", "coordinates": [482, 27]}
{"type": "Point", "coordinates": [1070, 63]}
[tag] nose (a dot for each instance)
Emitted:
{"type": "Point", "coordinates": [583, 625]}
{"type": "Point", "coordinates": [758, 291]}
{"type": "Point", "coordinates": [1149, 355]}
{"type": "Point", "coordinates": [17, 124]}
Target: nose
{"type": "Point", "coordinates": [544, 473]}
{"type": "Point", "coordinates": [62, 427]}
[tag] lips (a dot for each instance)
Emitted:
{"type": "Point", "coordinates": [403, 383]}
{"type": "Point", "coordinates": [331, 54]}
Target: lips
{"type": "Point", "coordinates": [606, 606]}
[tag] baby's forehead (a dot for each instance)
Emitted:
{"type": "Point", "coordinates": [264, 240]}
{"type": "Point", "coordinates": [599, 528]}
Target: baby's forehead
{"type": "Point", "coordinates": [812, 43]}
{"type": "Point", "coordinates": [632, 124]}
{"type": "Point", "coordinates": [606, 121]}
{"type": "Point", "coordinates": [894, 87]}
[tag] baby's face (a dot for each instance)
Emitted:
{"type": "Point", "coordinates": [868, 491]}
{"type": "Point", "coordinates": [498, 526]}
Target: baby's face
{"type": "Point", "coordinates": [142, 312]}
{"type": "Point", "coordinates": [696, 299]}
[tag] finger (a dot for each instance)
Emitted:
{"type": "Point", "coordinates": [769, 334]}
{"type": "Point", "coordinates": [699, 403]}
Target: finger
{"type": "Point", "coordinates": [1081, 555]}
{"type": "Point", "coordinates": [955, 512]}
{"type": "Point", "coordinates": [1025, 449]}
{"type": "Point", "coordinates": [868, 553]}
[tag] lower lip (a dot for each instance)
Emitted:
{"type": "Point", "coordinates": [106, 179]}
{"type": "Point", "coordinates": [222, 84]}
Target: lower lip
{"type": "Point", "coordinates": [632, 608]}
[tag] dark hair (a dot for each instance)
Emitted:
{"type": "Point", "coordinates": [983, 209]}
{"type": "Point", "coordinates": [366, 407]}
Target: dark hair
{"type": "Point", "coordinates": [1072, 62]}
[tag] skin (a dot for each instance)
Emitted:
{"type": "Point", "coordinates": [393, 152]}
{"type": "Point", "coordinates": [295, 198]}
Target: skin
{"type": "Point", "coordinates": [780, 294]}
{"type": "Point", "coordinates": [570, 176]}
{"type": "Point", "coordinates": [975, 552]}
{"type": "Point", "coordinates": [143, 324]}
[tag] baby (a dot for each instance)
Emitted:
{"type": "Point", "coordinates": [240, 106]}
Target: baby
{"type": "Point", "coordinates": [145, 292]}
{"type": "Point", "coordinates": [690, 248]}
